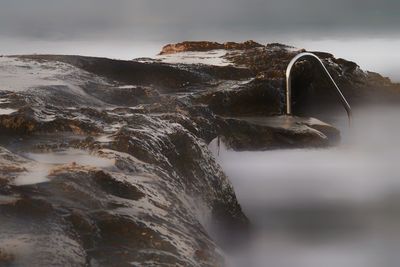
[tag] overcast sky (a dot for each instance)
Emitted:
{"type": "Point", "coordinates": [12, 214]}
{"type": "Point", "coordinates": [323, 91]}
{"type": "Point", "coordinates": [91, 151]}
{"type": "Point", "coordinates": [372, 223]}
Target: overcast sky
{"type": "Point", "coordinates": [186, 19]}
{"type": "Point", "coordinates": [81, 26]}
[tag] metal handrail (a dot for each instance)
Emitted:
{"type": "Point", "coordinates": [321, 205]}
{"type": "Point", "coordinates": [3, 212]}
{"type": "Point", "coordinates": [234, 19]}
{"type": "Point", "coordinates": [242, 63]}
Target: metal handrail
{"type": "Point", "coordinates": [289, 84]}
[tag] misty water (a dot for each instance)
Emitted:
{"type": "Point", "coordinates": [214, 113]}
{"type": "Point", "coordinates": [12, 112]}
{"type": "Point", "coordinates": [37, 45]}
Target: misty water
{"type": "Point", "coordinates": [338, 206]}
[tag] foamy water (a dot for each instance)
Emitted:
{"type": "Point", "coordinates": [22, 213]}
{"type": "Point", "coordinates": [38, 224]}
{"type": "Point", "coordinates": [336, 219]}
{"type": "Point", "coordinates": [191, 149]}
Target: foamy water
{"type": "Point", "coordinates": [42, 163]}
{"type": "Point", "coordinates": [323, 207]}
{"type": "Point", "coordinates": [7, 111]}
{"type": "Point", "coordinates": [214, 57]}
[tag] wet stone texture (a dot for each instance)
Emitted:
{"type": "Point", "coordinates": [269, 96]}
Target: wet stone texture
{"type": "Point", "coordinates": [106, 162]}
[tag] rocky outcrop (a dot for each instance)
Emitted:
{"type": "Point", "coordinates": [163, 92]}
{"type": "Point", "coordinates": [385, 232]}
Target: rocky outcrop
{"type": "Point", "coordinates": [207, 46]}
{"type": "Point", "coordinates": [312, 93]}
{"type": "Point", "coordinates": [106, 162]}
{"type": "Point", "coordinates": [150, 206]}
{"type": "Point", "coordinates": [161, 76]}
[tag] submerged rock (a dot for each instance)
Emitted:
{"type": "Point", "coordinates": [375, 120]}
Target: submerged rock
{"type": "Point", "coordinates": [106, 162]}
{"type": "Point", "coordinates": [261, 133]}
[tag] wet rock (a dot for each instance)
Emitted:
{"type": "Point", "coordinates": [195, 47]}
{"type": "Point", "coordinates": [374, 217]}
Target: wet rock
{"type": "Point", "coordinates": [225, 72]}
{"type": "Point", "coordinates": [164, 77]}
{"type": "Point", "coordinates": [21, 122]}
{"type": "Point", "coordinates": [256, 98]}
{"type": "Point", "coordinates": [28, 122]}
{"type": "Point", "coordinates": [258, 133]}
{"type": "Point", "coordinates": [125, 95]}
{"type": "Point", "coordinates": [207, 46]}
{"type": "Point", "coordinates": [311, 90]}
{"type": "Point", "coordinates": [122, 237]}
{"type": "Point", "coordinates": [131, 197]}
{"type": "Point", "coordinates": [158, 201]}
{"type": "Point", "coordinates": [6, 259]}
{"type": "Point", "coordinates": [117, 188]}
{"type": "Point", "coordinates": [28, 207]}
{"type": "Point", "coordinates": [11, 166]}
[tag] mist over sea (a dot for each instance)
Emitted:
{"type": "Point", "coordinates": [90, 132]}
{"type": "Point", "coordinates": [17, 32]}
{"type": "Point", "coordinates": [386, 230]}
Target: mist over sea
{"type": "Point", "coordinates": [323, 207]}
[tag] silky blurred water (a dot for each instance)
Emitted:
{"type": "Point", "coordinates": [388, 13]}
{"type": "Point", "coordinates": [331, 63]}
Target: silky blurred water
{"type": "Point", "coordinates": [323, 207]}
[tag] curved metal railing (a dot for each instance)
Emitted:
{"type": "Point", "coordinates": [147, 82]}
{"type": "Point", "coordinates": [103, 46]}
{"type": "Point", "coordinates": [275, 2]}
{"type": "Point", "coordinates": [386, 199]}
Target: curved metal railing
{"type": "Point", "coordinates": [289, 83]}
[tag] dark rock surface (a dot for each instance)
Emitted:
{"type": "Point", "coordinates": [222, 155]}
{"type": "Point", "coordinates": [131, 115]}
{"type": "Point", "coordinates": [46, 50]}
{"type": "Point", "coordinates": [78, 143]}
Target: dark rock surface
{"type": "Point", "coordinates": [262, 133]}
{"type": "Point", "coordinates": [105, 162]}
{"type": "Point", "coordinates": [311, 90]}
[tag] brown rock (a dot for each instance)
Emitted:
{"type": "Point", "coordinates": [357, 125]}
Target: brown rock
{"type": "Point", "coordinates": [207, 46]}
{"type": "Point", "coordinates": [5, 258]}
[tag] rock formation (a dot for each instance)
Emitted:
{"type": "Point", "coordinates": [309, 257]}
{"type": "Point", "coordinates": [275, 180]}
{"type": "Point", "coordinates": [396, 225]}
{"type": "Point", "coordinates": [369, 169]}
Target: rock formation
{"type": "Point", "coordinates": [207, 46]}
{"type": "Point", "coordinates": [105, 162]}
